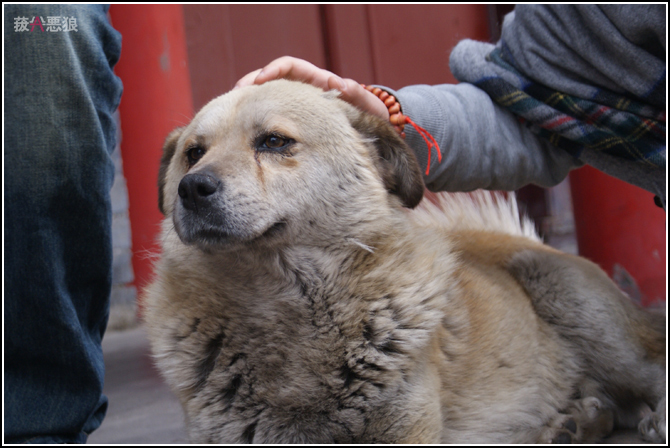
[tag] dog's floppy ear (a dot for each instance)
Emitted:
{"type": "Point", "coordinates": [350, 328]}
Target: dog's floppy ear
{"type": "Point", "coordinates": [395, 160]}
{"type": "Point", "coordinates": [169, 148]}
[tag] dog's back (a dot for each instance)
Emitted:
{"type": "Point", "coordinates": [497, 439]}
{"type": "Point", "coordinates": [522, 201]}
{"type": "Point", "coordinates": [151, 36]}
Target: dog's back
{"type": "Point", "coordinates": [577, 333]}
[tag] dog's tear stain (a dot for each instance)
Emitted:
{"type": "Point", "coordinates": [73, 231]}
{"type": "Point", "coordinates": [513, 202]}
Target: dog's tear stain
{"type": "Point", "coordinates": [259, 170]}
{"type": "Point", "coordinates": [213, 351]}
{"type": "Point", "coordinates": [288, 161]}
{"type": "Point", "coordinates": [249, 432]}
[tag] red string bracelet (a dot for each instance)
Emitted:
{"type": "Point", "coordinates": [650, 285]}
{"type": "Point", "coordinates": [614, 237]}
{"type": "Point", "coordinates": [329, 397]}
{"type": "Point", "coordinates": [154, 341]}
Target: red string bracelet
{"type": "Point", "coordinates": [398, 120]}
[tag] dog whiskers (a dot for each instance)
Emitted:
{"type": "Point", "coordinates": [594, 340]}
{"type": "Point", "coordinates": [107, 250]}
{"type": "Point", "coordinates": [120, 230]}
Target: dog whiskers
{"type": "Point", "coordinates": [364, 246]}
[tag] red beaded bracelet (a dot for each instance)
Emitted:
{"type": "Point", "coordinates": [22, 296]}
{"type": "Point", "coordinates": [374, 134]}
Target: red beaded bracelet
{"type": "Point", "coordinates": [398, 121]}
{"type": "Point", "coordinates": [396, 117]}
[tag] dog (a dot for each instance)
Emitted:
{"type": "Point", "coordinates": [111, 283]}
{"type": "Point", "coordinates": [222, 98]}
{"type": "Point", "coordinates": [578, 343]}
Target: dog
{"type": "Point", "coordinates": [306, 294]}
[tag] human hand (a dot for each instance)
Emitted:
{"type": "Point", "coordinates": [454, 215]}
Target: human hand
{"type": "Point", "coordinates": [295, 69]}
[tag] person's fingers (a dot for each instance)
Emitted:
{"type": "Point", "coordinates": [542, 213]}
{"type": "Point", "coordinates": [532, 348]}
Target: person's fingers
{"type": "Point", "coordinates": [288, 67]}
{"type": "Point", "coordinates": [356, 95]}
{"type": "Point", "coordinates": [295, 69]}
{"type": "Point", "coordinates": [247, 79]}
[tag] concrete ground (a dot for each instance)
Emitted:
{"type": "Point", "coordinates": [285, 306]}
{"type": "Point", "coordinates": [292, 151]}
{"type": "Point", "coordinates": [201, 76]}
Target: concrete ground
{"type": "Point", "coordinates": [142, 410]}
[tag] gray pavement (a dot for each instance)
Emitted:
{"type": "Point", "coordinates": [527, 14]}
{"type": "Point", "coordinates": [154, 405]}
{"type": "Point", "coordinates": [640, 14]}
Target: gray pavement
{"type": "Point", "coordinates": [141, 407]}
{"type": "Point", "coordinates": [142, 410]}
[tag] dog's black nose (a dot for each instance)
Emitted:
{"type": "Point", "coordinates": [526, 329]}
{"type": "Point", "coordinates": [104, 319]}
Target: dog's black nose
{"type": "Point", "coordinates": [196, 190]}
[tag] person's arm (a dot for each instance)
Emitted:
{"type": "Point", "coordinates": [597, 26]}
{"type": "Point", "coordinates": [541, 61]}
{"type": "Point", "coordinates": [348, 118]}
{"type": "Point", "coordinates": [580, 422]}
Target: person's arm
{"type": "Point", "coordinates": [482, 144]}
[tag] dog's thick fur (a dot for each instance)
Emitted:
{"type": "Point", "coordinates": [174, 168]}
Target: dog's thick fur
{"type": "Point", "coordinates": [299, 300]}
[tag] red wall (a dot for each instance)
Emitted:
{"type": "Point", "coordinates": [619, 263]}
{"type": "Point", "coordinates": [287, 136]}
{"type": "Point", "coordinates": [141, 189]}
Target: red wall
{"type": "Point", "coordinates": [619, 227]}
{"type": "Point", "coordinates": [395, 45]}
{"type": "Point", "coordinates": [156, 99]}
{"type": "Point", "coordinates": [225, 42]}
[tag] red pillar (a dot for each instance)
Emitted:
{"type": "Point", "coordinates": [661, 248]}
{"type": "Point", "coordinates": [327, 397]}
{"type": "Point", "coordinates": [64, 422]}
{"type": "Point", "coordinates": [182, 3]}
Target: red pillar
{"type": "Point", "coordinates": [156, 99]}
{"type": "Point", "coordinates": [619, 224]}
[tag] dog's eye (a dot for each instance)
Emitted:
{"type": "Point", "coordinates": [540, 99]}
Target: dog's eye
{"type": "Point", "coordinates": [273, 142]}
{"type": "Point", "coordinates": [194, 154]}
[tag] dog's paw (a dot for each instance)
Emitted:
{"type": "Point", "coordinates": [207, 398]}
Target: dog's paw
{"type": "Point", "coordinates": [585, 421]}
{"type": "Point", "coordinates": [652, 428]}
{"type": "Point", "coordinates": [562, 430]}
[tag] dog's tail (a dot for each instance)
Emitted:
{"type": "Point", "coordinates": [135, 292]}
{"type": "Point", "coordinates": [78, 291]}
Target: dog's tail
{"type": "Point", "coordinates": [478, 210]}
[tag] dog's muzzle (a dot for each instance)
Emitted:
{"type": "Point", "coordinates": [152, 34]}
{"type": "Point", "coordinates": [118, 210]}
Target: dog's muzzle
{"type": "Point", "coordinates": [197, 191]}
{"type": "Point", "coordinates": [206, 218]}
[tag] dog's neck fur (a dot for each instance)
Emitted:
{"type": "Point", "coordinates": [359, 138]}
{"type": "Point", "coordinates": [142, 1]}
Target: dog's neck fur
{"type": "Point", "coordinates": [342, 263]}
{"type": "Point", "coordinates": [335, 301]}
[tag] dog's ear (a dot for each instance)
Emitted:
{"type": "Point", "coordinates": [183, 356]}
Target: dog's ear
{"type": "Point", "coordinates": [169, 148]}
{"type": "Point", "coordinates": [395, 160]}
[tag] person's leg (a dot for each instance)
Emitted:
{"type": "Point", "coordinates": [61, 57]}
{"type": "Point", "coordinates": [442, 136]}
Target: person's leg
{"type": "Point", "coordinates": [60, 96]}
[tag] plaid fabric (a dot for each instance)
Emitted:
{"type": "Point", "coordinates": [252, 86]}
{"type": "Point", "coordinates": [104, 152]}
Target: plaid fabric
{"type": "Point", "coordinates": [608, 122]}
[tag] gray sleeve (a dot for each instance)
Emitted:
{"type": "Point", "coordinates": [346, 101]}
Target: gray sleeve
{"type": "Point", "coordinates": [482, 144]}
{"type": "Point", "coordinates": [579, 49]}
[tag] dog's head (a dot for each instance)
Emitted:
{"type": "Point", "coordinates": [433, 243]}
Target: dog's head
{"type": "Point", "coordinates": [282, 160]}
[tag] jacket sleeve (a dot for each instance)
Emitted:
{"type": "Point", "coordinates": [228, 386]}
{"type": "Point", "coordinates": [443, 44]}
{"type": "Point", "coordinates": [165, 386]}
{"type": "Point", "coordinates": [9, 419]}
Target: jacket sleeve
{"type": "Point", "coordinates": [482, 144]}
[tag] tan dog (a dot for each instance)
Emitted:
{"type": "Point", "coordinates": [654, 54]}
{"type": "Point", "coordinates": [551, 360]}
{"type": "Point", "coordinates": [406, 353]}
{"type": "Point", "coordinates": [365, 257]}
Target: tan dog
{"type": "Point", "coordinates": [298, 301]}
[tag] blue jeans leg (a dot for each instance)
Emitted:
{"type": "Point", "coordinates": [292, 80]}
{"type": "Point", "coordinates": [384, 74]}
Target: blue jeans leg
{"type": "Point", "coordinates": [60, 96]}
